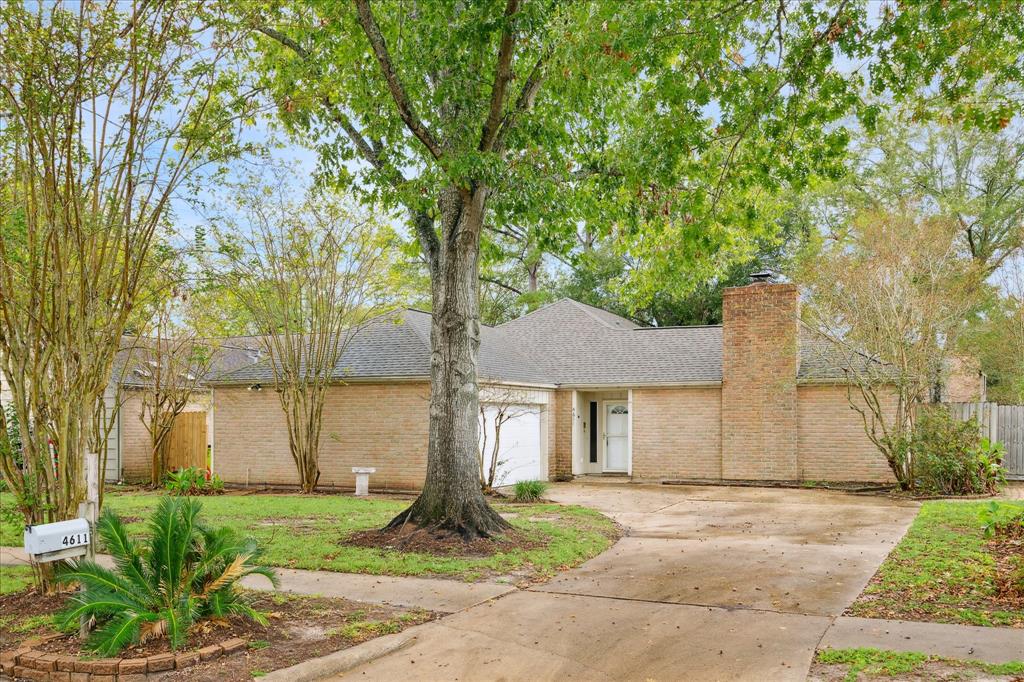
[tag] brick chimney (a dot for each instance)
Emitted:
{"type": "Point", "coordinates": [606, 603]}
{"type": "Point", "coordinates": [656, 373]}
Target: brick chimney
{"type": "Point", "coordinates": [759, 368]}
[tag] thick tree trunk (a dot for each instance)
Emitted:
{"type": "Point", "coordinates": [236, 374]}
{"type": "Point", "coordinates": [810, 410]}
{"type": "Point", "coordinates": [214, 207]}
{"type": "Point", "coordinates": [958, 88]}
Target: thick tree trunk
{"type": "Point", "coordinates": [451, 498]}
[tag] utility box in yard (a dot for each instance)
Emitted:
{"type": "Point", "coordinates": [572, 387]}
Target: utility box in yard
{"type": "Point", "coordinates": [55, 541]}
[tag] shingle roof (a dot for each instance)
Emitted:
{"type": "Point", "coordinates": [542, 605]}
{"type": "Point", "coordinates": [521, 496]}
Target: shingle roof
{"type": "Point", "coordinates": [398, 346]}
{"type": "Point", "coordinates": [822, 359]}
{"type": "Point", "coordinates": [564, 343]}
{"type": "Point", "coordinates": [230, 353]}
{"type": "Point", "coordinates": [581, 345]}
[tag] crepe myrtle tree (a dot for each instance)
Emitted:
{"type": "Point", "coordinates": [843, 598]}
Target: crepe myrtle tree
{"type": "Point", "coordinates": [501, 405]}
{"type": "Point", "coordinates": [310, 272]}
{"type": "Point", "coordinates": [105, 110]}
{"type": "Point", "coordinates": [170, 363]}
{"type": "Point", "coordinates": [891, 295]}
{"type": "Point", "coordinates": [669, 126]}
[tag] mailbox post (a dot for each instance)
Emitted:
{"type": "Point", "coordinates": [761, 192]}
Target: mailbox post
{"type": "Point", "coordinates": [72, 538]}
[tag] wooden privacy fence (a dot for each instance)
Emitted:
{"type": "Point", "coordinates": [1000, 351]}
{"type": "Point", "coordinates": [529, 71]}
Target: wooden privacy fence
{"type": "Point", "coordinates": [186, 443]}
{"type": "Point", "coordinates": [1004, 423]}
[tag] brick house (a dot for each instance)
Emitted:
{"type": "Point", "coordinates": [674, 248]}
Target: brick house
{"type": "Point", "coordinates": [757, 398]}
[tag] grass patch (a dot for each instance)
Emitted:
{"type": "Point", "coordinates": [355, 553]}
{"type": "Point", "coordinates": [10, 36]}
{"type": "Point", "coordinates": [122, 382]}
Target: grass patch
{"type": "Point", "coordinates": [941, 571]}
{"type": "Point", "coordinates": [307, 532]}
{"type": "Point", "coordinates": [881, 663]}
{"type": "Point", "coordinates": [15, 578]}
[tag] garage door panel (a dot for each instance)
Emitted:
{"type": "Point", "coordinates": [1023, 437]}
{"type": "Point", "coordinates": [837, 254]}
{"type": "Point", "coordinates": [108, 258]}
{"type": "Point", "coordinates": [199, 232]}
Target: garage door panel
{"type": "Point", "coordinates": [520, 448]}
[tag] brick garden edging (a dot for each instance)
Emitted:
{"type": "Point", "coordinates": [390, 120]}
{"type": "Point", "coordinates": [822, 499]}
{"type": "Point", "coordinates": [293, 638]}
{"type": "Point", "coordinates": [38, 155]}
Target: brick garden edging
{"type": "Point", "coordinates": [33, 664]}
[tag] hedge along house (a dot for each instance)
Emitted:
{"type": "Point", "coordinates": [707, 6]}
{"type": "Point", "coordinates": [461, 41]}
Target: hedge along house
{"type": "Point", "coordinates": [757, 398]}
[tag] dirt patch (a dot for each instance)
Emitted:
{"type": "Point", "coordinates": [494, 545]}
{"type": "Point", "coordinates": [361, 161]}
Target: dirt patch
{"type": "Point", "coordinates": [299, 628]}
{"type": "Point", "coordinates": [410, 538]}
{"type": "Point", "coordinates": [20, 615]}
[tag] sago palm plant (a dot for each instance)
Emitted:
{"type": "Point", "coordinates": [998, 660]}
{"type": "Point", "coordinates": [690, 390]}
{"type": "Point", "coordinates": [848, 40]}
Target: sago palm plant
{"type": "Point", "coordinates": [182, 572]}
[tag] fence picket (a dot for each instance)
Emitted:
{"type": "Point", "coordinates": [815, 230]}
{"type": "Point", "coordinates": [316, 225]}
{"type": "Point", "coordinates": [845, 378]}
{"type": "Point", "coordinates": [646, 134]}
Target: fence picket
{"type": "Point", "coordinates": [1003, 423]}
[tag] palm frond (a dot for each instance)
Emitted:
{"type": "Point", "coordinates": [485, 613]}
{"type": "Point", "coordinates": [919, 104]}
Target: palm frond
{"type": "Point", "coordinates": [242, 609]}
{"type": "Point", "coordinates": [95, 577]}
{"type": "Point", "coordinates": [233, 571]}
{"type": "Point", "coordinates": [116, 634]}
{"type": "Point", "coordinates": [97, 603]}
{"type": "Point", "coordinates": [126, 553]}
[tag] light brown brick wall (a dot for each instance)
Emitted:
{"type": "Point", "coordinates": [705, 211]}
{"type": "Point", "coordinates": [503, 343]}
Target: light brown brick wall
{"type": "Point", "coordinates": [379, 425]}
{"type": "Point", "coordinates": [833, 445]}
{"type": "Point", "coordinates": [677, 433]}
{"type": "Point", "coordinates": [560, 436]}
{"type": "Point", "coordinates": [963, 382]}
{"type": "Point", "coordinates": [759, 364]}
{"type": "Point", "coordinates": [136, 460]}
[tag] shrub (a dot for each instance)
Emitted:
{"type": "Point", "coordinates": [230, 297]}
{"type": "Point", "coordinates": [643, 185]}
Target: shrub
{"type": "Point", "coordinates": [180, 573]}
{"type": "Point", "coordinates": [192, 481]}
{"type": "Point", "coordinates": [529, 491]}
{"type": "Point", "coordinates": [950, 458]}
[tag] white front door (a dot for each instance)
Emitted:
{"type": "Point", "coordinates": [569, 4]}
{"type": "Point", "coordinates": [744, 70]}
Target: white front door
{"type": "Point", "coordinates": [616, 436]}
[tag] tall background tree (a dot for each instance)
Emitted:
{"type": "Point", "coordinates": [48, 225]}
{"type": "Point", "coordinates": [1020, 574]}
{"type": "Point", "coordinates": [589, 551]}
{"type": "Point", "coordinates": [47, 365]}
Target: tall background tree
{"type": "Point", "coordinates": [310, 273]}
{"type": "Point", "coordinates": [105, 108]}
{"type": "Point", "coordinates": [891, 294]}
{"type": "Point", "coordinates": [669, 126]}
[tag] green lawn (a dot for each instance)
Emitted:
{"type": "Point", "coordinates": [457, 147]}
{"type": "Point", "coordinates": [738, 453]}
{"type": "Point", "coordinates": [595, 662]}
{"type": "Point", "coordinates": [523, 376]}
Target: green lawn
{"type": "Point", "coordinates": [14, 578]}
{"type": "Point", "coordinates": [306, 532]}
{"type": "Point", "coordinates": [862, 664]}
{"type": "Point", "coordinates": [941, 571]}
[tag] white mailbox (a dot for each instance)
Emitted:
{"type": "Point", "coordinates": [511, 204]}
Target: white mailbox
{"type": "Point", "coordinates": [55, 541]}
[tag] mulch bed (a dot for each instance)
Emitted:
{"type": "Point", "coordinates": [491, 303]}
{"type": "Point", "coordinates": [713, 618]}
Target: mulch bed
{"type": "Point", "coordinates": [300, 628]}
{"type": "Point", "coordinates": [410, 538]}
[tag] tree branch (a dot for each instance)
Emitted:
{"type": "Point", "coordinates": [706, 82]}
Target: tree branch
{"type": "Point", "coordinates": [524, 102]}
{"type": "Point", "coordinates": [502, 76]}
{"type": "Point", "coordinates": [401, 98]}
{"type": "Point", "coordinates": [370, 152]}
{"type": "Point", "coordinates": [501, 284]}
{"type": "Point", "coordinates": [431, 245]}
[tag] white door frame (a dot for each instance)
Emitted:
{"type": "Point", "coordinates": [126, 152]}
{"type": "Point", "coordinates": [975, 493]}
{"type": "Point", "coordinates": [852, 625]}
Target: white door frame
{"type": "Point", "coordinates": [603, 444]}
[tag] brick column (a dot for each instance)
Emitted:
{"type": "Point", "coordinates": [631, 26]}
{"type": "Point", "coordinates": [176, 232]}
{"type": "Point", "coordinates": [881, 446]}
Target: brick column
{"type": "Point", "coordinates": [759, 368]}
{"type": "Point", "coordinates": [560, 436]}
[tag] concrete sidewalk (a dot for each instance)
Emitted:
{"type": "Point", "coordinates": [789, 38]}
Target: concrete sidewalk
{"type": "Point", "coordinates": [442, 596]}
{"type": "Point", "coordinates": [965, 642]}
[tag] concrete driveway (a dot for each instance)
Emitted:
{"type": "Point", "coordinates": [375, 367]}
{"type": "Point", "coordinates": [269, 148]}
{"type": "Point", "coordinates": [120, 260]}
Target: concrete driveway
{"type": "Point", "coordinates": [709, 583]}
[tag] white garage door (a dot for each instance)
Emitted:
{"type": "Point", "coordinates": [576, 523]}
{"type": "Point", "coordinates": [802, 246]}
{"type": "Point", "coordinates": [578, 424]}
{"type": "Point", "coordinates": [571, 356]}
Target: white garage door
{"type": "Point", "coordinates": [519, 449]}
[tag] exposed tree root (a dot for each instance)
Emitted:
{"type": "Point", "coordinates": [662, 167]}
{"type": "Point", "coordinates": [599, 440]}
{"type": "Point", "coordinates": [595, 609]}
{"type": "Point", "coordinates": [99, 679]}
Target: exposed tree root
{"type": "Point", "coordinates": [471, 520]}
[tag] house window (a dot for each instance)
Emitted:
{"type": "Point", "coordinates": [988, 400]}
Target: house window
{"type": "Point", "coordinates": [619, 409]}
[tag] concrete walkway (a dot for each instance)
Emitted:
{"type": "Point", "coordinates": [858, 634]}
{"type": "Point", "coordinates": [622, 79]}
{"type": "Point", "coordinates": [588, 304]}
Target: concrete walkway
{"type": "Point", "coordinates": [443, 596]}
{"type": "Point", "coordinates": [710, 583]}
{"type": "Point", "coordinates": [965, 642]}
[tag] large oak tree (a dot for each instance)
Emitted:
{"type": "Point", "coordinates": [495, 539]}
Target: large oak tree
{"type": "Point", "coordinates": [668, 125]}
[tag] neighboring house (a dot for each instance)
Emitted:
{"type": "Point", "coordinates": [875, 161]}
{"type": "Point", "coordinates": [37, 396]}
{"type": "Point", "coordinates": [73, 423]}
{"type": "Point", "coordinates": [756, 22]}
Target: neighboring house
{"type": "Point", "coordinates": [128, 446]}
{"type": "Point", "coordinates": [757, 398]}
{"type": "Point", "coordinates": [963, 381]}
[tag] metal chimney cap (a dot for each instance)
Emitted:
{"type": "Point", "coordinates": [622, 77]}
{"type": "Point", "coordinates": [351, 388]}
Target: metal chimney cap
{"type": "Point", "coordinates": [763, 277]}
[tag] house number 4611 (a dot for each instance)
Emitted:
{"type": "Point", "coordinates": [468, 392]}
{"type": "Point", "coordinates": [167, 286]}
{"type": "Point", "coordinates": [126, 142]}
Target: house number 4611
{"type": "Point", "coordinates": [75, 540]}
